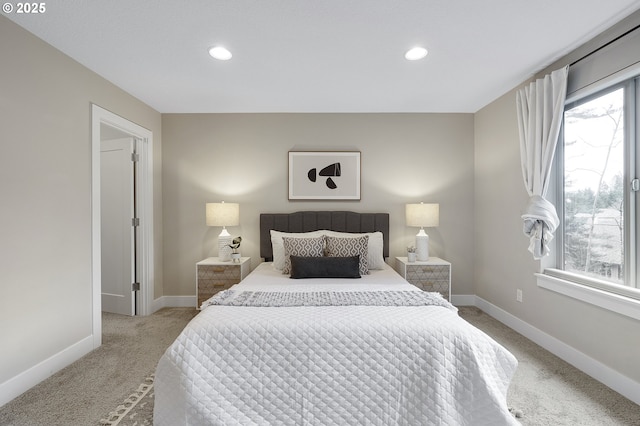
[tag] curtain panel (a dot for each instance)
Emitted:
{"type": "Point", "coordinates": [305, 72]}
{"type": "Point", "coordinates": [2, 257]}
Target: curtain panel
{"type": "Point", "coordinates": [540, 108]}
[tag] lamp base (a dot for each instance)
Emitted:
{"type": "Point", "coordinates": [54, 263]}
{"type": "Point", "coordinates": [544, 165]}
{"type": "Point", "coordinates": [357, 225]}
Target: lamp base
{"type": "Point", "coordinates": [224, 251]}
{"type": "Point", "coordinates": [422, 246]}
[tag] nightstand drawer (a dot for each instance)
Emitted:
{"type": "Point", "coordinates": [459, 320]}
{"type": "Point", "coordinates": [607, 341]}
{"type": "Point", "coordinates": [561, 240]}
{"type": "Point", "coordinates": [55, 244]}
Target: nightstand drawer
{"type": "Point", "coordinates": [427, 272]}
{"type": "Point", "coordinates": [438, 286]}
{"type": "Point", "coordinates": [430, 278]}
{"type": "Point", "coordinates": [207, 288]}
{"type": "Point", "coordinates": [216, 272]}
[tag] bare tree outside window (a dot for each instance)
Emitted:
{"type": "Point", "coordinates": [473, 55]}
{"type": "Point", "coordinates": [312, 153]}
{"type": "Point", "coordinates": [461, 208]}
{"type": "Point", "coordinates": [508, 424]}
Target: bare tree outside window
{"type": "Point", "coordinates": [594, 188]}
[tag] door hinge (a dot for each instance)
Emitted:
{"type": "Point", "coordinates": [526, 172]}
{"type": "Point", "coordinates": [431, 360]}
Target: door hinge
{"type": "Point", "coordinates": [635, 185]}
{"type": "Point", "coordinates": [135, 287]}
{"type": "Point", "coordinates": [135, 157]}
{"type": "Point", "coordinates": [135, 221]}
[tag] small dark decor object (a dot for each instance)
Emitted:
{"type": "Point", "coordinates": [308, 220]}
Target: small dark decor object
{"type": "Point", "coordinates": [235, 245]}
{"type": "Point", "coordinates": [330, 170]}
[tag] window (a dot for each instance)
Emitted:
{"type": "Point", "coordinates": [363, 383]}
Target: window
{"type": "Point", "coordinates": [597, 199]}
{"type": "Point", "coordinates": [596, 171]}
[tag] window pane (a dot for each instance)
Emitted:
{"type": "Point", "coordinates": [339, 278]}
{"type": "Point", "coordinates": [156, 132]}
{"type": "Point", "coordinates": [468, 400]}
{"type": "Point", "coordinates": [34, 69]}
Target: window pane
{"type": "Point", "coordinates": [594, 188]}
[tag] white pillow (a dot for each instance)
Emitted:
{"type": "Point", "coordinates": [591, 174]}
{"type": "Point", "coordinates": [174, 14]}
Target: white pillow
{"type": "Point", "coordinates": [277, 244]}
{"type": "Point", "coordinates": [375, 256]}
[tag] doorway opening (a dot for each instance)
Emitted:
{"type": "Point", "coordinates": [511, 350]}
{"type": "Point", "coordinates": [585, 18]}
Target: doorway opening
{"type": "Point", "coordinates": [121, 138]}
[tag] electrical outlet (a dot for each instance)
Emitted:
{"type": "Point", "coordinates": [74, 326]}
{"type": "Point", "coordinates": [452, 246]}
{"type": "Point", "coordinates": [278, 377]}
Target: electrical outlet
{"type": "Point", "coordinates": [519, 295]}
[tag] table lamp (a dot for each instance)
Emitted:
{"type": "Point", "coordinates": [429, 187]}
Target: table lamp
{"type": "Point", "coordinates": [422, 215]}
{"type": "Point", "coordinates": [223, 214]}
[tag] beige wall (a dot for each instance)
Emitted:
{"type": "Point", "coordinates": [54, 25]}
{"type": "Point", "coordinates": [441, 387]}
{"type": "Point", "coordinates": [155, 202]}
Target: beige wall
{"type": "Point", "coordinates": [243, 158]}
{"type": "Point", "coordinates": [45, 189]}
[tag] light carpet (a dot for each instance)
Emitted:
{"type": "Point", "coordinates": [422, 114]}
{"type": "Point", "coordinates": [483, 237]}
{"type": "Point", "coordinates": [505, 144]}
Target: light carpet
{"type": "Point", "coordinates": [550, 392]}
{"type": "Point", "coordinates": [89, 389]}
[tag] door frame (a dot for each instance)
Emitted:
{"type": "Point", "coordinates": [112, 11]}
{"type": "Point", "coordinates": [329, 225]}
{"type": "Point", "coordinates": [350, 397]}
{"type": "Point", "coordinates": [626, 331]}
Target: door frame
{"type": "Point", "coordinates": [144, 195]}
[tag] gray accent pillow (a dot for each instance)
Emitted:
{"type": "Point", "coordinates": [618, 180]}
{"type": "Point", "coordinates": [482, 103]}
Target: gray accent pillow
{"type": "Point", "coordinates": [345, 247]}
{"type": "Point", "coordinates": [375, 258]}
{"type": "Point", "coordinates": [325, 267]}
{"type": "Point", "coordinates": [310, 247]}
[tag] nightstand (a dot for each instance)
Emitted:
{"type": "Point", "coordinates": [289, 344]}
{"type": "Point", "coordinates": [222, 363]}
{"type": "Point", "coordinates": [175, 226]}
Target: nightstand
{"type": "Point", "coordinates": [431, 275]}
{"type": "Point", "coordinates": [214, 275]}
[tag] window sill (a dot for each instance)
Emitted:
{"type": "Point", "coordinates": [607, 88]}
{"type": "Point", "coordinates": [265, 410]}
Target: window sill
{"type": "Point", "coordinates": [622, 305]}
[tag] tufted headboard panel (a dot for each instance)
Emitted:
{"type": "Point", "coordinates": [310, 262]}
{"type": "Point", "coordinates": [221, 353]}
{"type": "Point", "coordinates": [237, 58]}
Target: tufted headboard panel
{"type": "Point", "coordinates": [306, 221]}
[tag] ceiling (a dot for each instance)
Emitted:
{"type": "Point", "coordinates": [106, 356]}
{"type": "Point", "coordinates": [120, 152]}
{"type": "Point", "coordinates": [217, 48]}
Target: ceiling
{"type": "Point", "coordinates": [320, 55]}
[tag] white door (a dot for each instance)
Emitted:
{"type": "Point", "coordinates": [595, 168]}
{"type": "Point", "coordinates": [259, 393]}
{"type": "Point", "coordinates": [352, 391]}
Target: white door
{"type": "Point", "coordinates": [117, 231]}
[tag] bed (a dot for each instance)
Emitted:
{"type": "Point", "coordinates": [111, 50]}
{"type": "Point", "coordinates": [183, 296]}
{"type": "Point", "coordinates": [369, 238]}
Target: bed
{"type": "Point", "coordinates": [326, 350]}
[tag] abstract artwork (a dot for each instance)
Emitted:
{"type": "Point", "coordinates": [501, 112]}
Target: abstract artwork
{"type": "Point", "coordinates": [324, 175]}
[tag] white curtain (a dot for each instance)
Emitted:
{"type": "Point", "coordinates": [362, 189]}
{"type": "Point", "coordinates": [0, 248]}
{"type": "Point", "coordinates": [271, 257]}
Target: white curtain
{"type": "Point", "coordinates": [540, 108]}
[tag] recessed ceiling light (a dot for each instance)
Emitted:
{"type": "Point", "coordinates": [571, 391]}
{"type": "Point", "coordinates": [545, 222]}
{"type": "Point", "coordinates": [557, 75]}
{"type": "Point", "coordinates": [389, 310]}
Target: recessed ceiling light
{"type": "Point", "coordinates": [415, 53]}
{"type": "Point", "coordinates": [220, 53]}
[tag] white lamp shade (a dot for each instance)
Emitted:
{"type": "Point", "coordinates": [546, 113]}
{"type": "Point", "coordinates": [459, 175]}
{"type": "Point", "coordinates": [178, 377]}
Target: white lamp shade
{"type": "Point", "coordinates": [423, 215]}
{"type": "Point", "coordinates": [223, 214]}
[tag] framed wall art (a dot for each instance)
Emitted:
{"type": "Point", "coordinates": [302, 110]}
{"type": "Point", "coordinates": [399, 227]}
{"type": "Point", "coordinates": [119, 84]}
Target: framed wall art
{"type": "Point", "coordinates": [324, 175]}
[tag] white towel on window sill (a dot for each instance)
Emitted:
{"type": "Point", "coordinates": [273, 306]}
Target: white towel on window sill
{"type": "Point", "coordinates": [540, 222]}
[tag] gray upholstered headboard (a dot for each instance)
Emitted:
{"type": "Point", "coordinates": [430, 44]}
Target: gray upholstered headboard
{"type": "Point", "coordinates": [306, 221]}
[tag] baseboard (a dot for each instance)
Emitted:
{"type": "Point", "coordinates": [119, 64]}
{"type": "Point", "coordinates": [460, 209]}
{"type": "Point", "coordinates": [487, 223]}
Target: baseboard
{"type": "Point", "coordinates": [463, 299]}
{"type": "Point", "coordinates": [601, 372]}
{"type": "Point", "coordinates": [24, 381]}
{"type": "Point", "coordinates": [174, 302]}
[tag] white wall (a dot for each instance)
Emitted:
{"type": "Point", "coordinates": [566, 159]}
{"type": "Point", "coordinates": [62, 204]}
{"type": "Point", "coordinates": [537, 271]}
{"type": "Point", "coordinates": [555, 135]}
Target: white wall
{"type": "Point", "coordinates": [45, 189]}
{"type": "Point", "coordinates": [243, 158]}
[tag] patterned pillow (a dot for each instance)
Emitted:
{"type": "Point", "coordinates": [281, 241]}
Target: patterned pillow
{"type": "Point", "coordinates": [346, 247]}
{"type": "Point", "coordinates": [376, 246]}
{"type": "Point", "coordinates": [307, 247]}
{"type": "Point", "coordinates": [278, 245]}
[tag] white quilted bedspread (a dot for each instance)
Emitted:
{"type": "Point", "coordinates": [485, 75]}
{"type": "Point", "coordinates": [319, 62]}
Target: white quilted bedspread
{"type": "Point", "coordinates": [333, 365]}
